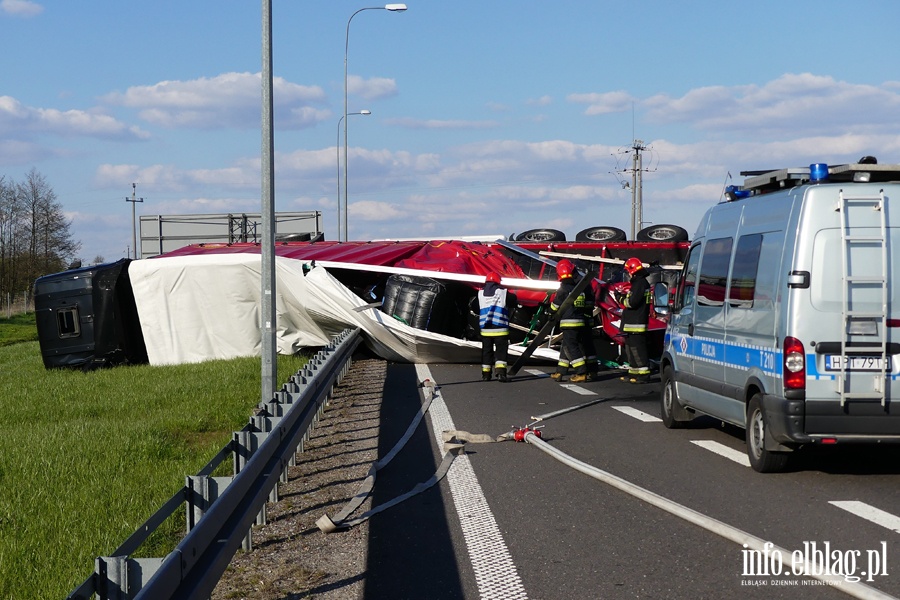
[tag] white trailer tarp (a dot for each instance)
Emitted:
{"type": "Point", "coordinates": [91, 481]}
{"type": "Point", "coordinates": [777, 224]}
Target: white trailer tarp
{"type": "Point", "coordinates": [199, 308]}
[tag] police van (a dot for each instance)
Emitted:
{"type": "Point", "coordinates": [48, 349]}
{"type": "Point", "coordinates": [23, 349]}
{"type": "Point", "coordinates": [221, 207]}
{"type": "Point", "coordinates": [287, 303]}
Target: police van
{"type": "Point", "coordinates": [783, 320]}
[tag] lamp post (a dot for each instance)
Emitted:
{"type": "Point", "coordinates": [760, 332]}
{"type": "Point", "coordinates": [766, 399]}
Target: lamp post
{"type": "Point", "coordinates": [392, 8]}
{"type": "Point", "coordinates": [337, 147]}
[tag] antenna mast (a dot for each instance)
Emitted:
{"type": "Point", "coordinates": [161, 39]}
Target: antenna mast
{"type": "Point", "coordinates": [134, 199]}
{"type": "Point", "coordinates": [637, 209]}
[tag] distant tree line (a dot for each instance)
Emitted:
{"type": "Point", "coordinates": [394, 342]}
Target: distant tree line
{"type": "Point", "coordinates": [35, 236]}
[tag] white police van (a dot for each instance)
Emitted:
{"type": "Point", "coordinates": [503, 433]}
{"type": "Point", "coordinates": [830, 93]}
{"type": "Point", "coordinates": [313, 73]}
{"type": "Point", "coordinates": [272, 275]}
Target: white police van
{"type": "Point", "coordinates": [783, 321]}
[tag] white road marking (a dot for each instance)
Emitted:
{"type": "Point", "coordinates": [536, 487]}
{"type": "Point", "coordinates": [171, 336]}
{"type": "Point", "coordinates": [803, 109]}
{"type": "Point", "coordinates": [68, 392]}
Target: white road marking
{"type": "Point", "coordinates": [870, 513]}
{"type": "Point", "coordinates": [637, 414]}
{"type": "Point", "coordinates": [537, 373]}
{"type": "Point", "coordinates": [810, 565]}
{"type": "Point", "coordinates": [495, 573]}
{"type": "Point", "coordinates": [723, 450]}
{"type": "Point", "coordinates": [578, 389]}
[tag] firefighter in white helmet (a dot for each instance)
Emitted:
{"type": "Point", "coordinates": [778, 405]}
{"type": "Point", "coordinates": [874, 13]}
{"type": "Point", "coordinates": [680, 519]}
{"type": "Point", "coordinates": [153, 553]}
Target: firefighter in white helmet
{"type": "Point", "coordinates": [495, 304]}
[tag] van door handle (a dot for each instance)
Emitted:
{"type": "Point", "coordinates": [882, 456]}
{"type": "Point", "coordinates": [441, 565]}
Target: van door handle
{"type": "Point", "coordinates": [691, 329]}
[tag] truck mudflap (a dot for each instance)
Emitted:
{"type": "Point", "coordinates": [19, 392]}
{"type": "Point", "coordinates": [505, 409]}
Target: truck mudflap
{"type": "Point", "coordinates": [786, 420]}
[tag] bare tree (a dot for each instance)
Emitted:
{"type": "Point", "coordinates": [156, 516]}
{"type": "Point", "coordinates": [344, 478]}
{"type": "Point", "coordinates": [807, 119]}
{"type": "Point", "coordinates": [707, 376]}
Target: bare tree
{"type": "Point", "coordinates": [35, 236]}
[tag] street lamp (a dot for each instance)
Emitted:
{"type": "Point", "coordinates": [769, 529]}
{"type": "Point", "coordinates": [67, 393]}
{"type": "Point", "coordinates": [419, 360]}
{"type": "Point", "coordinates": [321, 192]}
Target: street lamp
{"type": "Point", "coordinates": [337, 148]}
{"type": "Point", "coordinates": [392, 8]}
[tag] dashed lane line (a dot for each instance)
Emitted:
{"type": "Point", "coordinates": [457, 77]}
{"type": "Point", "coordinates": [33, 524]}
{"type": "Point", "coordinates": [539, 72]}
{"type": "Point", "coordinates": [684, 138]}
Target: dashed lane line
{"type": "Point", "coordinates": [537, 373]}
{"type": "Point", "coordinates": [638, 414]}
{"type": "Point", "coordinates": [870, 513]}
{"type": "Point", "coordinates": [723, 450]}
{"type": "Point", "coordinates": [577, 389]}
{"type": "Point", "coordinates": [495, 573]}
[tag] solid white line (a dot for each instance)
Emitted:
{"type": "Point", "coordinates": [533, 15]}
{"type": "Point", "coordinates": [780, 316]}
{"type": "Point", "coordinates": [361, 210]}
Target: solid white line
{"type": "Point", "coordinates": [637, 414]}
{"type": "Point", "coordinates": [495, 572]}
{"type": "Point", "coordinates": [723, 450]}
{"type": "Point", "coordinates": [729, 532]}
{"type": "Point", "coordinates": [578, 389]}
{"type": "Point", "coordinates": [870, 513]}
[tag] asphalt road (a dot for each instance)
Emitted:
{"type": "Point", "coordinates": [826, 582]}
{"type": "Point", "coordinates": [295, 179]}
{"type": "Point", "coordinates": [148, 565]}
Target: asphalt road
{"type": "Point", "coordinates": [511, 521]}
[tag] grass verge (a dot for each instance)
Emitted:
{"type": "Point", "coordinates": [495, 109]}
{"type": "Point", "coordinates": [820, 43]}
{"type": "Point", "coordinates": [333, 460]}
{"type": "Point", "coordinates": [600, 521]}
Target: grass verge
{"type": "Point", "coordinates": [85, 458]}
{"type": "Point", "coordinates": [18, 328]}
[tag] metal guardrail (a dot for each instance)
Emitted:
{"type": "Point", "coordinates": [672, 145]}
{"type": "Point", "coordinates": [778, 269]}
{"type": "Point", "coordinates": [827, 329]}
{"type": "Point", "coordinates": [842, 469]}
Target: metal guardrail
{"type": "Point", "coordinates": [222, 510]}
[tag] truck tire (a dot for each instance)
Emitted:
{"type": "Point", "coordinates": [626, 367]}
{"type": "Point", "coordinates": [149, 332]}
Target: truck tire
{"type": "Point", "coordinates": [662, 233]}
{"type": "Point", "coordinates": [601, 234]}
{"type": "Point", "coordinates": [673, 414]}
{"type": "Point", "coordinates": [541, 235]}
{"type": "Point", "coordinates": [762, 460]}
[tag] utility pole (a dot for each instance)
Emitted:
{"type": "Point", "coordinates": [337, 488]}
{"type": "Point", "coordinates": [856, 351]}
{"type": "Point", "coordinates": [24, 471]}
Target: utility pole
{"type": "Point", "coordinates": [637, 208]}
{"type": "Point", "coordinates": [134, 200]}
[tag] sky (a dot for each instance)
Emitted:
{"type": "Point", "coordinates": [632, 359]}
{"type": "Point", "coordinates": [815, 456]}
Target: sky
{"type": "Point", "coordinates": [486, 117]}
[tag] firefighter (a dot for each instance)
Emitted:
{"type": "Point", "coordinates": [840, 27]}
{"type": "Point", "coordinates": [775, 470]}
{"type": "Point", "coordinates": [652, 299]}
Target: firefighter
{"type": "Point", "coordinates": [572, 323]}
{"type": "Point", "coordinates": [635, 315]}
{"type": "Point", "coordinates": [495, 304]}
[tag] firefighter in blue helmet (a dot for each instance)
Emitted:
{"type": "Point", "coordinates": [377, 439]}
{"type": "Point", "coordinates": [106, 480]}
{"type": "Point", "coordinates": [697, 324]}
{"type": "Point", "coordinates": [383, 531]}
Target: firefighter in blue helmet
{"type": "Point", "coordinates": [635, 316]}
{"type": "Point", "coordinates": [572, 323]}
{"type": "Point", "coordinates": [495, 304]}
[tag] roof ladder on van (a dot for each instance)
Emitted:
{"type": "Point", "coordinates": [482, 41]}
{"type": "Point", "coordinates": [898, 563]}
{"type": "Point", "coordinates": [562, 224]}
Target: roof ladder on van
{"type": "Point", "coordinates": [852, 210]}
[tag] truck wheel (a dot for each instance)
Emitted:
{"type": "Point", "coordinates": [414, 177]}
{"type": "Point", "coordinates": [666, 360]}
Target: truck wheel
{"type": "Point", "coordinates": [762, 460]}
{"type": "Point", "coordinates": [601, 234]}
{"type": "Point", "coordinates": [662, 233]}
{"type": "Point", "coordinates": [541, 235]}
{"type": "Point", "coordinates": [669, 407]}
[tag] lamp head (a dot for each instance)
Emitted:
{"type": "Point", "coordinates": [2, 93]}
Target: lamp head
{"type": "Point", "coordinates": [395, 7]}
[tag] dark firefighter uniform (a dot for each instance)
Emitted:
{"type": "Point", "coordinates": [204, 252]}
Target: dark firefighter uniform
{"type": "Point", "coordinates": [635, 316]}
{"type": "Point", "coordinates": [572, 323]}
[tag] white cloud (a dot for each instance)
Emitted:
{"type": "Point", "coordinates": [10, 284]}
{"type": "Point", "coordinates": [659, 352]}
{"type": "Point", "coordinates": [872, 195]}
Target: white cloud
{"type": "Point", "coordinates": [371, 89]}
{"type": "Point", "coordinates": [168, 178]}
{"type": "Point", "coordinates": [603, 103]}
{"type": "Point", "coordinates": [542, 101]}
{"type": "Point", "coordinates": [21, 8]}
{"type": "Point", "coordinates": [410, 123]}
{"type": "Point", "coordinates": [794, 104]}
{"type": "Point", "coordinates": [368, 210]}
{"type": "Point", "coordinates": [228, 100]}
{"type": "Point", "coordinates": [18, 119]}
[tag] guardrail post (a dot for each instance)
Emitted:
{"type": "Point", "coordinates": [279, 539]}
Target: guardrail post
{"type": "Point", "coordinates": [202, 491]}
{"type": "Point", "coordinates": [120, 577]}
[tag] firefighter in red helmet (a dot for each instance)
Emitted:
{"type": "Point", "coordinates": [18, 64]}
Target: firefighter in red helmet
{"type": "Point", "coordinates": [495, 304]}
{"type": "Point", "coordinates": [573, 324]}
{"type": "Point", "coordinates": [635, 316]}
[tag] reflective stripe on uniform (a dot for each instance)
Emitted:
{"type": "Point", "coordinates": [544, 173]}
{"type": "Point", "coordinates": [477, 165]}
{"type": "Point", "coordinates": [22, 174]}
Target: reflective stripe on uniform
{"type": "Point", "coordinates": [494, 332]}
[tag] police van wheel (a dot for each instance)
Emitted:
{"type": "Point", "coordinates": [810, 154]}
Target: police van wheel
{"type": "Point", "coordinates": [673, 415]}
{"type": "Point", "coordinates": [762, 460]}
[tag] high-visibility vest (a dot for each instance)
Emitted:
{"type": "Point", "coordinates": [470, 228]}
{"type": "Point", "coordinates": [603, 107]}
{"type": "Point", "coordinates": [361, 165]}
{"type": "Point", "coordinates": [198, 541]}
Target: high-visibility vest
{"type": "Point", "coordinates": [493, 316]}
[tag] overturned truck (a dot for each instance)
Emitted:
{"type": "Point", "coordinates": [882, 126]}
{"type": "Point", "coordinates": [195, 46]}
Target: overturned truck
{"type": "Point", "coordinates": [412, 299]}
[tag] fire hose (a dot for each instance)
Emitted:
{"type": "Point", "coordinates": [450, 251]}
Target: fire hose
{"type": "Point", "coordinates": [454, 445]}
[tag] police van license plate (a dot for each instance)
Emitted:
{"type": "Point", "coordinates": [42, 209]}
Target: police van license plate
{"type": "Point", "coordinates": [835, 362]}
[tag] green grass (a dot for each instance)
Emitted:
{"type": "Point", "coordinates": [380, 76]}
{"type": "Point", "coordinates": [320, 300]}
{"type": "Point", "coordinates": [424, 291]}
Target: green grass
{"type": "Point", "coordinates": [18, 328]}
{"type": "Point", "coordinates": [85, 458]}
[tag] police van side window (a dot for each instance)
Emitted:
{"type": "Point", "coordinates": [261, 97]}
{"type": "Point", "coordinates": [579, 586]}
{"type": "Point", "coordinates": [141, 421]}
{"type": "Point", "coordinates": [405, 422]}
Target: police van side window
{"type": "Point", "coordinates": [687, 284]}
{"type": "Point", "coordinates": [743, 273]}
{"type": "Point", "coordinates": [714, 272]}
